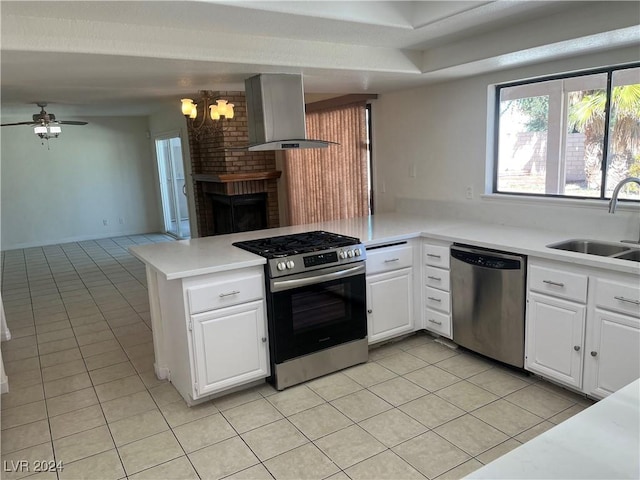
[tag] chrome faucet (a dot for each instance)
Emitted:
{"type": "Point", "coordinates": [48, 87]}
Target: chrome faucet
{"type": "Point", "coordinates": [614, 199]}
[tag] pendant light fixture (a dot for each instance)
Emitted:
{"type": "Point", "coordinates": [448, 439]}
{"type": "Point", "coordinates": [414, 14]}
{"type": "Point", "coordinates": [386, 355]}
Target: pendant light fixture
{"type": "Point", "coordinates": [213, 112]}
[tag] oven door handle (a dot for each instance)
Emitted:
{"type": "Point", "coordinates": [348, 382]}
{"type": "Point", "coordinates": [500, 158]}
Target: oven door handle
{"type": "Point", "coordinates": [281, 285]}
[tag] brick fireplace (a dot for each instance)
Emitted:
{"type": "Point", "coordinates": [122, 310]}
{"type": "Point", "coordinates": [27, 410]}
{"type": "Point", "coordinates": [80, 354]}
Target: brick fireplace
{"type": "Point", "coordinates": [234, 190]}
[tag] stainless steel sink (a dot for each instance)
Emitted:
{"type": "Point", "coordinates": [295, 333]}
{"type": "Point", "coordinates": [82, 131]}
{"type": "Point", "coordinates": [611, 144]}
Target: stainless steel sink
{"type": "Point", "coordinates": [592, 247]}
{"type": "Point", "coordinates": [633, 255]}
{"type": "Point", "coordinates": [596, 247]}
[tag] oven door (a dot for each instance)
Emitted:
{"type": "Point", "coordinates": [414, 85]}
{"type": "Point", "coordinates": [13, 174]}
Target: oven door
{"type": "Point", "coordinates": [315, 310]}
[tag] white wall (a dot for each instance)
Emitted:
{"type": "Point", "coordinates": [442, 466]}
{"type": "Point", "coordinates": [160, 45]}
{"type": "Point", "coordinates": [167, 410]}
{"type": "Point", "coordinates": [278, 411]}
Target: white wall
{"type": "Point", "coordinates": [101, 171]}
{"type": "Point", "coordinates": [441, 129]}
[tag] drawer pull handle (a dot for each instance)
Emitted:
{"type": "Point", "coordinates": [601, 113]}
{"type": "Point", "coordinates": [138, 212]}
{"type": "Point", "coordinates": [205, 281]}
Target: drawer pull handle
{"type": "Point", "coordinates": [264, 339]}
{"type": "Point", "coordinates": [433, 255]}
{"type": "Point", "coordinates": [434, 321]}
{"type": "Point", "coordinates": [576, 348]}
{"type": "Point", "coordinates": [235, 292]}
{"type": "Point", "coordinates": [369, 311]}
{"type": "Point", "coordinates": [437, 279]}
{"type": "Point", "coordinates": [391, 260]}
{"type": "Point", "coordinates": [435, 299]}
{"type": "Point", "coordinates": [628, 300]}
{"type": "Point", "coordinates": [593, 354]}
{"type": "Point", "coordinates": [555, 284]}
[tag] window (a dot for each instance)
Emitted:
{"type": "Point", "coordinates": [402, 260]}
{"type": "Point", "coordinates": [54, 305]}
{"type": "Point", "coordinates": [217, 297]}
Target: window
{"type": "Point", "coordinates": [571, 136]}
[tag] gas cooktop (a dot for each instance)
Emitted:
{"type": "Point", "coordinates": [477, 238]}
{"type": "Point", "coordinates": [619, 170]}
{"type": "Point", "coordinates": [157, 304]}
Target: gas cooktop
{"type": "Point", "coordinates": [297, 243]}
{"type": "Point", "coordinates": [301, 252]}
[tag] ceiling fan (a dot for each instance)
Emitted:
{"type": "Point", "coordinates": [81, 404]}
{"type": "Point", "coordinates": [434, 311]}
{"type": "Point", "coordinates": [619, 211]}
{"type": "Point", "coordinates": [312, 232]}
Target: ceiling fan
{"type": "Point", "coordinates": [45, 124]}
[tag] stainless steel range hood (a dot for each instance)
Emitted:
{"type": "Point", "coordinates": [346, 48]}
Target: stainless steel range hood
{"type": "Point", "coordinates": [275, 113]}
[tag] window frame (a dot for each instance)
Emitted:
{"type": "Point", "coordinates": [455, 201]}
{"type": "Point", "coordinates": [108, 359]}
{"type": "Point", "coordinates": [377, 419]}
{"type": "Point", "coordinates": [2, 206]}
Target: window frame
{"type": "Point", "coordinates": [369, 112]}
{"type": "Point", "coordinates": [605, 148]}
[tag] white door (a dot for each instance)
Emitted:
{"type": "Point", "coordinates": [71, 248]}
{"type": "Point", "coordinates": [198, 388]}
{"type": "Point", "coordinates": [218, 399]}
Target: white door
{"type": "Point", "coordinates": [230, 347]}
{"type": "Point", "coordinates": [173, 188]}
{"type": "Point", "coordinates": [555, 336]}
{"type": "Point", "coordinates": [613, 355]}
{"type": "Point", "coordinates": [390, 304]}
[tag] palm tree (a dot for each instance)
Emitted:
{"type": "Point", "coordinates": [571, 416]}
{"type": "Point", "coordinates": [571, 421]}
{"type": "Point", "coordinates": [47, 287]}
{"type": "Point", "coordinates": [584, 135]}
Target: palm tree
{"type": "Point", "coordinates": [587, 115]}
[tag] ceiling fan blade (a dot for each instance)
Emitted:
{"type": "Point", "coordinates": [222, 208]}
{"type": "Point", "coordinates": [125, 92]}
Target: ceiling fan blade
{"type": "Point", "coordinates": [19, 123]}
{"type": "Point", "coordinates": [71, 122]}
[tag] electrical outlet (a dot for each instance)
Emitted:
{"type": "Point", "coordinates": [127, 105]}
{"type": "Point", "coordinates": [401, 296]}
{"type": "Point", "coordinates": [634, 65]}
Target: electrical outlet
{"type": "Point", "coordinates": [121, 221]}
{"type": "Point", "coordinates": [469, 193]}
{"type": "Point", "coordinates": [105, 222]}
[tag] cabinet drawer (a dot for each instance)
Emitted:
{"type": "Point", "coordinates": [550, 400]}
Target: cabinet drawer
{"type": "Point", "coordinates": [387, 259]}
{"type": "Point", "coordinates": [436, 255]}
{"type": "Point", "coordinates": [224, 293]}
{"type": "Point", "coordinates": [619, 297]}
{"type": "Point", "coordinates": [437, 300]}
{"type": "Point", "coordinates": [436, 278]}
{"type": "Point", "coordinates": [559, 283]}
{"type": "Point", "coordinates": [437, 322]}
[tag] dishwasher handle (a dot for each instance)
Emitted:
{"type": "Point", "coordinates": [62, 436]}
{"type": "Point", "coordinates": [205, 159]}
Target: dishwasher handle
{"type": "Point", "coordinates": [487, 259]}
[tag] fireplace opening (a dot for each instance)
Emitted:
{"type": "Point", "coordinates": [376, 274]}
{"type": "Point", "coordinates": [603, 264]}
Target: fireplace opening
{"type": "Point", "coordinates": [238, 213]}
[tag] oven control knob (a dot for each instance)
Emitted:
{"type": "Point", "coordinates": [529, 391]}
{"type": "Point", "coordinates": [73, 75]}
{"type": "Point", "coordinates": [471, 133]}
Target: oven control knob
{"type": "Point", "coordinates": [281, 266]}
{"type": "Point", "coordinates": [290, 264]}
{"type": "Point", "coordinates": [357, 252]}
{"type": "Point", "coordinates": [350, 253]}
{"type": "Point", "coordinates": [342, 254]}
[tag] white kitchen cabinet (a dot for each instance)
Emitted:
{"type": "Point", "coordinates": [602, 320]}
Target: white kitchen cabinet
{"type": "Point", "coordinates": [583, 326]}
{"type": "Point", "coordinates": [230, 347]}
{"type": "Point", "coordinates": [555, 338]}
{"type": "Point", "coordinates": [555, 322]}
{"type": "Point", "coordinates": [612, 354]}
{"type": "Point", "coordinates": [389, 292]}
{"type": "Point", "coordinates": [436, 296]}
{"type": "Point", "coordinates": [213, 334]}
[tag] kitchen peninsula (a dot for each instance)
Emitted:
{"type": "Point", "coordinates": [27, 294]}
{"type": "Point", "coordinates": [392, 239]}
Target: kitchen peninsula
{"type": "Point", "coordinates": [196, 322]}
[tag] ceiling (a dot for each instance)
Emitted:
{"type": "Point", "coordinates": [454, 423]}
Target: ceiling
{"type": "Point", "coordinates": [128, 57]}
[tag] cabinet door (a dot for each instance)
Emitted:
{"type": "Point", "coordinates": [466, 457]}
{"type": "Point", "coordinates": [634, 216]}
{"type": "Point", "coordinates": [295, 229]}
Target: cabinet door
{"type": "Point", "coordinates": [229, 347]}
{"type": "Point", "coordinates": [555, 337]}
{"type": "Point", "coordinates": [613, 352]}
{"type": "Point", "coordinates": [389, 304]}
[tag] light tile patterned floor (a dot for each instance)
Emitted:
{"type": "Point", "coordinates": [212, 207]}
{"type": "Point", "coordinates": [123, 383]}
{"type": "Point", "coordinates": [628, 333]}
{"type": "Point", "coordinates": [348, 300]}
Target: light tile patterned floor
{"type": "Point", "coordinates": [83, 392]}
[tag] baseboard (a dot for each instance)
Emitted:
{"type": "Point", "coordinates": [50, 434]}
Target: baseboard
{"type": "Point", "coordinates": [162, 373]}
{"type": "Point", "coordinates": [78, 238]}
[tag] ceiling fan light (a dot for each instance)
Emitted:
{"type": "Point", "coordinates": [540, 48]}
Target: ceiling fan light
{"type": "Point", "coordinates": [40, 129]}
{"type": "Point", "coordinates": [55, 129]}
{"type": "Point", "coordinates": [187, 106]}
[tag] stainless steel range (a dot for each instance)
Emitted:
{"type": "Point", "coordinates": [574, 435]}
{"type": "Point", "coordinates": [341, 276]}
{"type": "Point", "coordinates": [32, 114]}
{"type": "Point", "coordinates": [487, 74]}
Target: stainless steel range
{"type": "Point", "coordinates": [316, 304]}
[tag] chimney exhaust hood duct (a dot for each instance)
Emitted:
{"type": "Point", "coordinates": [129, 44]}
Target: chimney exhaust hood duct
{"type": "Point", "coordinates": [275, 113]}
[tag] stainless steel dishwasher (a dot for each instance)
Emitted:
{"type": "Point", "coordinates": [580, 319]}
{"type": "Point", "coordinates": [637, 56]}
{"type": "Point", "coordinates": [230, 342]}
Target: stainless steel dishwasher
{"type": "Point", "coordinates": [487, 301]}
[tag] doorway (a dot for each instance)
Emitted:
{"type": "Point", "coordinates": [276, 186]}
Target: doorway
{"type": "Point", "coordinates": [173, 188]}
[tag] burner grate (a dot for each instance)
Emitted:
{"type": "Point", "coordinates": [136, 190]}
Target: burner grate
{"type": "Point", "coordinates": [297, 243]}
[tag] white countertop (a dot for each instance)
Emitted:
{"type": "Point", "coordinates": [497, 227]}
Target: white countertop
{"type": "Point", "coordinates": [602, 441]}
{"type": "Point", "coordinates": [199, 256]}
